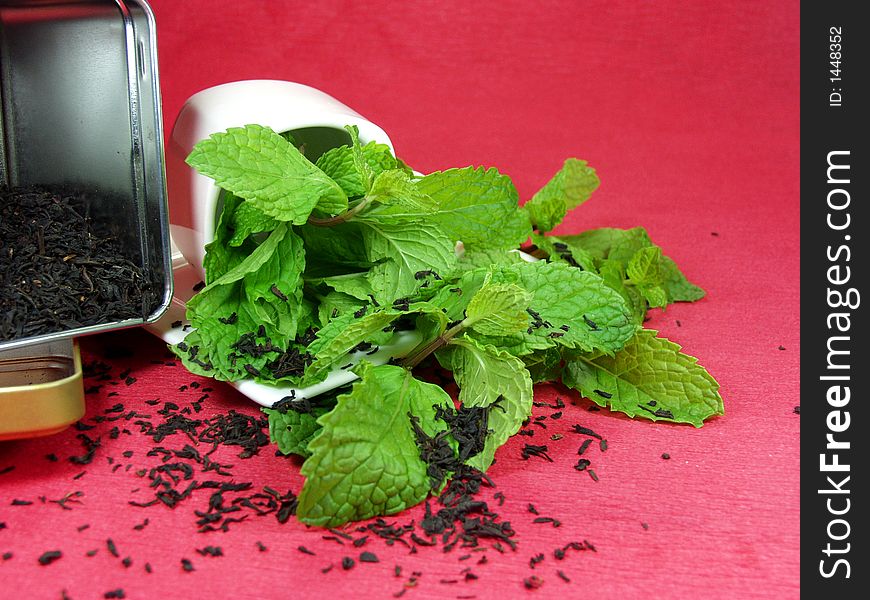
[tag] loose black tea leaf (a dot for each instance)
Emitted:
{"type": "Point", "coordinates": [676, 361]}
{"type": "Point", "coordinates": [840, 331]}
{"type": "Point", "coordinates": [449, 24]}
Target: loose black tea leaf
{"type": "Point", "coordinates": [210, 551]}
{"type": "Point", "coordinates": [49, 557]}
{"type": "Point", "coordinates": [60, 270]}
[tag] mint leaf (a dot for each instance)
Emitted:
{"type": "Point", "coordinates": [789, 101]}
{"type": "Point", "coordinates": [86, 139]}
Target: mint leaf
{"type": "Point", "coordinates": [365, 461]}
{"type": "Point", "coordinates": [482, 257]}
{"type": "Point", "coordinates": [263, 290]}
{"type": "Point", "coordinates": [220, 257]}
{"type": "Point", "coordinates": [246, 220]}
{"type": "Point", "coordinates": [643, 267]}
{"type": "Point", "coordinates": [257, 164]}
{"type": "Point", "coordinates": [568, 188]}
{"type": "Point", "coordinates": [292, 431]}
{"type": "Point", "coordinates": [339, 164]}
{"type": "Point", "coordinates": [353, 284]}
{"type": "Point", "coordinates": [677, 287]}
{"type": "Point", "coordinates": [498, 309]}
{"type": "Point", "coordinates": [338, 247]}
{"type": "Point", "coordinates": [400, 251]}
{"type": "Point", "coordinates": [599, 242]}
{"type": "Point", "coordinates": [569, 307]}
{"type": "Point", "coordinates": [655, 295]}
{"type": "Point", "coordinates": [335, 304]}
{"type": "Point", "coordinates": [544, 365]}
{"type": "Point", "coordinates": [622, 246]}
{"type": "Point", "coordinates": [488, 377]}
{"type": "Point", "coordinates": [365, 172]}
{"type": "Point", "coordinates": [574, 309]}
{"type": "Point", "coordinates": [628, 244]}
{"type": "Point", "coordinates": [644, 271]}
{"type": "Point", "coordinates": [560, 251]}
{"type": "Point", "coordinates": [478, 207]}
{"type": "Point", "coordinates": [343, 333]}
{"type": "Point", "coordinates": [400, 195]}
{"type": "Point", "coordinates": [649, 378]}
{"type": "Point", "coordinates": [613, 274]}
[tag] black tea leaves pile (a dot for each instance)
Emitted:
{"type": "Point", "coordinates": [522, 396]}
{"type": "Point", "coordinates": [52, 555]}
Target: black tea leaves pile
{"type": "Point", "coordinates": [59, 270]}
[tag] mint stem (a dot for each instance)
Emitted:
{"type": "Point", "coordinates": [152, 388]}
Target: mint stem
{"type": "Point", "coordinates": [345, 216]}
{"type": "Point", "coordinates": [416, 357]}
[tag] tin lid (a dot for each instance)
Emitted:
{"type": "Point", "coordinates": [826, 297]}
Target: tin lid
{"type": "Point", "coordinates": [41, 390]}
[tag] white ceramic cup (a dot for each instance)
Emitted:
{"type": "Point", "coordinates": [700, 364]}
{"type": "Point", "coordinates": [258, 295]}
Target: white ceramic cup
{"type": "Point", "coordinates": [281, 105]}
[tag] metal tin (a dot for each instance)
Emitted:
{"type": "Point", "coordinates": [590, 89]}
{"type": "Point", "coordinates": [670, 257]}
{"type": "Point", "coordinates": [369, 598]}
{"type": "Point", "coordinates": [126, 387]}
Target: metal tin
{"type": "Point", "coordinates": [80, 106]}
{"type": "Point", "coordinates": [41, 389]}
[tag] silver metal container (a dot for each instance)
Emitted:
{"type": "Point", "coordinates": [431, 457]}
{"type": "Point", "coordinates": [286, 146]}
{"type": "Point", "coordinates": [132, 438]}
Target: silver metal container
{"type": "Point", "coordinates": [80, 107]}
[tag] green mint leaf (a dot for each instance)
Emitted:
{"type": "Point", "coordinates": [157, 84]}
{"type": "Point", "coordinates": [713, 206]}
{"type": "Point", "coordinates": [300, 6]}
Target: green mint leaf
{"type": "Point", "coordinates": [498, 309]}
{"type": "Point", "coordinates": [655, 295]}
{"type": "Point", "coordinates": [220, 256]}
{"type": "Point", "coordinates": [341, 335]}
{"type": "Point", "coordinates": [366, 174]}
{"type": "Point", "coordinates": [622, 246]}
{"type": "Point", "coordinates": [483, 257]}
{"type": "Point", "coordinates": [292, 431]}
{"type": "Point", "coordinates": [353, 284]}
{"type": "Point", "coordinates": [488, 377]}
{"type": "Point", "coordinates": [340, 165]}
{"type": "Point", "coordinates": [246, 220]}
{"type": "Point", "coordinates": [677, 287]}
{"type": "Point", "coordinates": [569, 188]}
{"type": "Point", "coordinates": [649, 378]}
{"type": "Point", "coordinates": [560, 251]}
{"type": "Point", "coordinates": [643, 267]}
{"type": "Point", "coordinates": [627, 245]}
{"type": "Point", "coordinates": [340, 247]}
{"type": "Point", "coordinates": [400, 196]}
{"type": "Point", "coordinates": [265, 289]}
{"type": "Point", "coordinates": [257, 164]}
{"type": "Point", "coordinates": [569, 307]}
{"type": "Point", "coordinates": [400, 250]}
{"type": "Point", "coordinates": [544, 365]}
{"type": "Point", "coordinates": [476, 206]}
{"type": "Point", "coordinates": [574, 308]}
{"type": "Point", "coordinates": [599, 242]}
{"type": "Point", "coordinates": [644, 271]}
{"type": "Point", "coordinates": [335, 304]}
{"type": "Point", "coordinates": [365, 461]}
{"type": "Point", "coordinates": [613, 274]}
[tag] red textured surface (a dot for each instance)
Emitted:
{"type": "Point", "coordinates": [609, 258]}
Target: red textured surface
{"type": "Point", "coordinates": [689, 111]}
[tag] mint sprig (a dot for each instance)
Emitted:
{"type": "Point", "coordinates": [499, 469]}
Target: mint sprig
{"type": "Point", "coordinates": [315, 261]}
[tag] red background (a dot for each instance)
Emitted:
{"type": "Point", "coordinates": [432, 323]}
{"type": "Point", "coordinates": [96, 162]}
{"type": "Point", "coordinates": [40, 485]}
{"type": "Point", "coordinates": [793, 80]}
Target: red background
{"type": "Point", "coordinates": [690, 113]}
